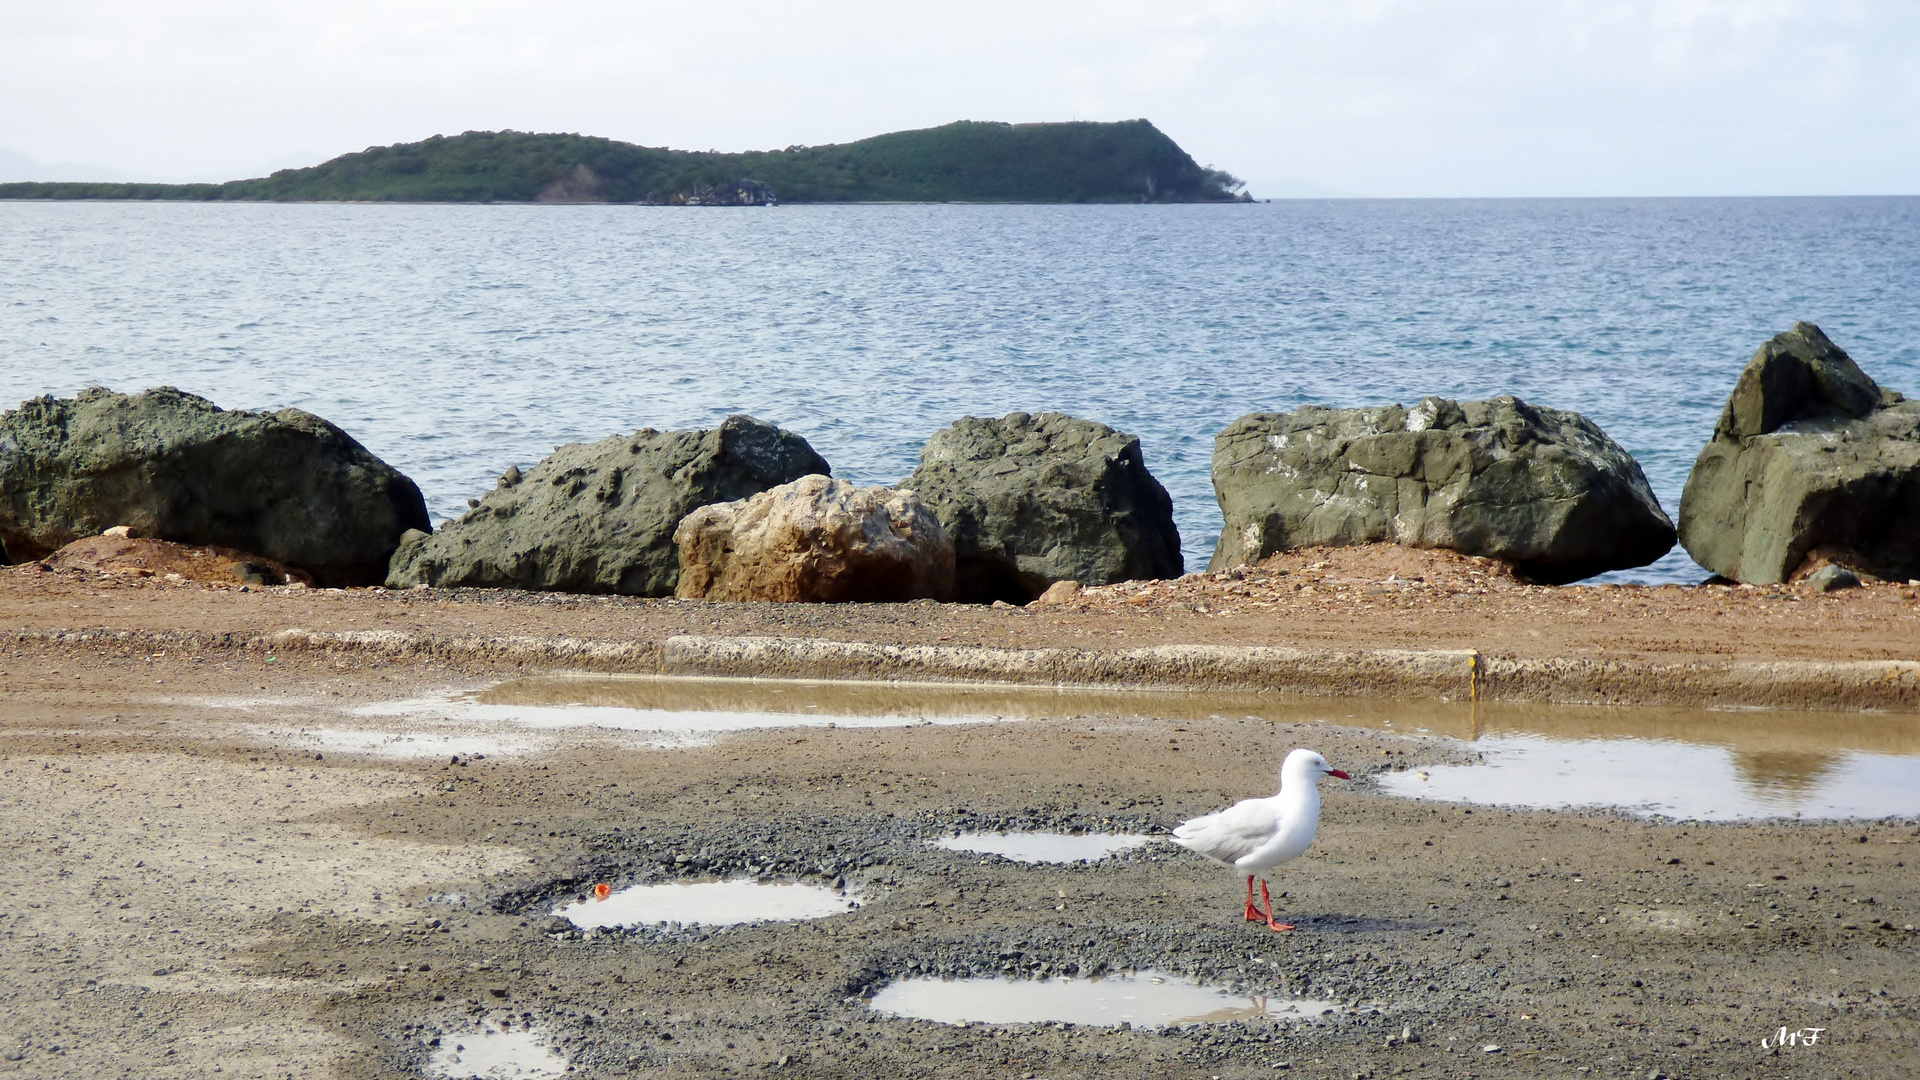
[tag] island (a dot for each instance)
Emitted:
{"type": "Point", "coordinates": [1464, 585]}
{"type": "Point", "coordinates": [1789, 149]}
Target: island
{"type": "Point", "coordinates": [1128, 161]}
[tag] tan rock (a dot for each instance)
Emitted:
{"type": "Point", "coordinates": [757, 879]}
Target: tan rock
{"type": "Point", "coordinates": [1062, 591]}
{"type": "Point", "coordinates": [816, 539]}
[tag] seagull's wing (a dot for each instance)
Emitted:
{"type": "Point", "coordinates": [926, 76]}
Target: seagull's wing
{"type": "Point", "coordinates": [1226, 836]}
{"type": "Point", "coordinates": [1288, 842]}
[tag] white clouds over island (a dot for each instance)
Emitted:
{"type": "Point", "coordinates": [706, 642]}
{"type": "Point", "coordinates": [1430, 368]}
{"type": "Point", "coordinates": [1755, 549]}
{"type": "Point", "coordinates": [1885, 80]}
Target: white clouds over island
{"type": "Point", "coordinates": [1375, 97]}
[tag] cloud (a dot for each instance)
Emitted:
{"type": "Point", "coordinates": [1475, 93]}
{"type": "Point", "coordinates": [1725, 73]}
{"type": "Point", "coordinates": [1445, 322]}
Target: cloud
{"type": "Point", "coordinates": [1411, 97]}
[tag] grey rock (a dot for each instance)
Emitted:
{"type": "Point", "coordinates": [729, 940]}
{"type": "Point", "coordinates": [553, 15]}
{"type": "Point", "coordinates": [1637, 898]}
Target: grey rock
{"type": "Point", "coordinates": [599, 517]}
{"type": "Point", "coordinates": [1034, 499]}
{"type": "Point", "coordinates": [1543, 489]}
{"type": "Point", "coordinates": [1811, 461]}
{"type": "Point", "coordinates": [286, 485]}
{"type": "Point", "coordinates": [1831, 578]}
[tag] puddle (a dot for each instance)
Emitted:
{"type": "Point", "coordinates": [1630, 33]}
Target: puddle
{"type": "Point", "coordinates": [1685, 763]}
{"type": "Point", "coordinates": [663, 711]}
{"type": "Point", "coordinates": [1143, 999]}
{"type": "Point", "coordinates": [1665, 778]}
{"type": "Point", "coordinates": [396, 744]}
{"type": "Point", "coordinates": [492, 1052]}
{"type": "Point", "coordinates": [1043, 847]}
{"type": "Point", "coordinates": [666, 727]}
{"type": "Point", "coordinates": [851, 702]}
{"type": "Point", "coordinates": [709, 903]}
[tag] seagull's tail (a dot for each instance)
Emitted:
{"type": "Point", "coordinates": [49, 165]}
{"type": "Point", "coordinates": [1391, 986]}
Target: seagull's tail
{"type": "Point", "coordinates": [1185, 832]}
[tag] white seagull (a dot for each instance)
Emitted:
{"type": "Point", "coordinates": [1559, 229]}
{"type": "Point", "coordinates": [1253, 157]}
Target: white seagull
{"type": "Point", "coordinates": [1255, 835]}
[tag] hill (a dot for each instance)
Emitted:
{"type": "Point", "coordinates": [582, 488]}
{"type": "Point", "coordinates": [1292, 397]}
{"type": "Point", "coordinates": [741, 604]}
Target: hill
{"type": "Point", "coordinates": [968, 161]}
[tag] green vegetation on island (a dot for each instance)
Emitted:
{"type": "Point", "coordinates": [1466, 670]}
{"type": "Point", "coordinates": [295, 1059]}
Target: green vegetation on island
{"type": "Point", "coordinates": [968, 161]}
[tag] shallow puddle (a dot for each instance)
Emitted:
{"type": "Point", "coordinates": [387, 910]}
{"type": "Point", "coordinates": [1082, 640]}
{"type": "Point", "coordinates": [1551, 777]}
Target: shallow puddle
{"type": "Point", "coordinates": [1665, 778]}
{"type": "Point", "coordinates": [493, 1052]}
{"type": "Point", "coordinates": [1684, 763]}
{"type": "Point", "coordinates": [709, 903]}
{"type": "Point", "coordinates": [662, 711]}
{"type": "Point", "coordinates": [846, 702]}
{"type": "Point", "coordinates": [666, 711]}
{"type": "Point", "coordinates": [1143, 999]}
{"type": "Point", "coordinates": [398, 744]}
{"type": "Point", "coordinates": [1043, 847]}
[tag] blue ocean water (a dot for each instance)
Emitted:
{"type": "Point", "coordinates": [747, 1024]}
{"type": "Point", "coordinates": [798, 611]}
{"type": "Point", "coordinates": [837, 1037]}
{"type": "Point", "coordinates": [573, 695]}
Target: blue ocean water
{"type": "Point", "coordinates": [456, 340]}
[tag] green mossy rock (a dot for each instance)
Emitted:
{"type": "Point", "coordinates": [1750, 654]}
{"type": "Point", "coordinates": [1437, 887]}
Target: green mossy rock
{"type": "Point", "coordinates": [173, 466]}
{"type": "Point", "coordinates": [1543, 489]}
{"type": "Point", "coordinates": [1810, 458]}
{"type": "Point", "coordinates": [599, 517]}
{"type": "Point", "coordinates": [1030, 500]}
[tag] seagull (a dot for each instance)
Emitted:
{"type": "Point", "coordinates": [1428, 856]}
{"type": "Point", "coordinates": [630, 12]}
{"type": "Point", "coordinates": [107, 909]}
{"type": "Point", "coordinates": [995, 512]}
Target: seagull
{"type": "Point", "coordinates": [1255, 835]}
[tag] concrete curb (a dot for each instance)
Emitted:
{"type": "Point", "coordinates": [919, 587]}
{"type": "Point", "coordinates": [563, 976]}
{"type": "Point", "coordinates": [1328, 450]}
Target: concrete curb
{"type": "Point", "coordinates": [1385, 672]}
{"type": "Point", "coordinates": [1884, 685]}
{"type": "Point", "coordinates": [1447, 675]}
{"type": "Point", "coordinates": [589, 653]}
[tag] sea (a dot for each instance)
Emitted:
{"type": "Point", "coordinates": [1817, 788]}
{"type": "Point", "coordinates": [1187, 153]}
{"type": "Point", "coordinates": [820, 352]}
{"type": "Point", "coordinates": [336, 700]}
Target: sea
{"type": "Point", "coordinates": [456, 340]}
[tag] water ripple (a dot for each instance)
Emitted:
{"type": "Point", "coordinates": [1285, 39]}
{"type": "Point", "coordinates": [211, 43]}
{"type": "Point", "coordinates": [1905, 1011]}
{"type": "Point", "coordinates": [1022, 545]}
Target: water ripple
{"type": "Point", "coordinates": [456, 340]}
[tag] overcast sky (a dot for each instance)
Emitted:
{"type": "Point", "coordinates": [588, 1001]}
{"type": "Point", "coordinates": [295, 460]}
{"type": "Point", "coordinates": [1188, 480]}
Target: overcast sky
{"type": "Point", "coordinates": [1356, 97]}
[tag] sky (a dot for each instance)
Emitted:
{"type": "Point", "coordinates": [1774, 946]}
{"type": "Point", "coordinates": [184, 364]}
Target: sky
{"type": "Point", "coordinates": [1389, 98]}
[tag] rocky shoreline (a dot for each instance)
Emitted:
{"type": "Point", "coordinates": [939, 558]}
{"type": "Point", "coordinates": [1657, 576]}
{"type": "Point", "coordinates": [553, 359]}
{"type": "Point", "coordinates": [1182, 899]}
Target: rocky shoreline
{"type": "Point", "coordinates": [1813, 470]}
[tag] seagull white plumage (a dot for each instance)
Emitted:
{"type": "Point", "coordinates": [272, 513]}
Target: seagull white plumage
{"type": "Point", "coordinates": [1255, 835]}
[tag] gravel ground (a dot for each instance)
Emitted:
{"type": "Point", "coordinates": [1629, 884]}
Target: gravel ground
{"type": "Point", "coordinates": [190, 900]}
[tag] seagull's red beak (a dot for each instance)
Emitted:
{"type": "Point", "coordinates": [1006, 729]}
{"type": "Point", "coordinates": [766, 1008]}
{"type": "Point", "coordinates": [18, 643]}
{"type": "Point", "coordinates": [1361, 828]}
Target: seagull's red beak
{"type": "Point", "coordinates": [1339, 773]}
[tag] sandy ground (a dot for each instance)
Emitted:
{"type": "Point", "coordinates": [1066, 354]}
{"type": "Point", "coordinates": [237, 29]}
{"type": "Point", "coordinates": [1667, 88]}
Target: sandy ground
{"type": "Point", "coordinates": [192, 895]}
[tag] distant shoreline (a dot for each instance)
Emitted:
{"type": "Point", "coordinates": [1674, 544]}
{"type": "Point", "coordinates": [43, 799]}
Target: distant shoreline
{"type": "Point", "coordinates": [1263, 200]}
{"type": "Point", "coordinates": [631, 205]}
{"type": "Point", "coordinates": [970, 161]}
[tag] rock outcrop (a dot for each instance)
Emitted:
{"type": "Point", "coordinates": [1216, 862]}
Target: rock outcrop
{"type": "Point", "coordinates": [1811, 463]}
{"type": "Point", "coordinates": [1031, 500]}
{"type": "Point", "coordinates": [816, 540]}
{"type": "Point", "coordinates": [285, 485]}
{"type": "Point", "coordinates": [1541, 489]}
{"type": "Point", "coordinates": [599, 517]}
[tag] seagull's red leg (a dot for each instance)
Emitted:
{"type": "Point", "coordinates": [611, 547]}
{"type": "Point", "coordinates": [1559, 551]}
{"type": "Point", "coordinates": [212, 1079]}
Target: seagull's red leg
{"type": "Point", "coordinates": [1271, 925]}
{"type": "Point", "coordinates": [1253, 913]}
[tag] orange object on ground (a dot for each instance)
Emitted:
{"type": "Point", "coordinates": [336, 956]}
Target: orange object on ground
{"type": "Point", "coordinates": [601, 891]}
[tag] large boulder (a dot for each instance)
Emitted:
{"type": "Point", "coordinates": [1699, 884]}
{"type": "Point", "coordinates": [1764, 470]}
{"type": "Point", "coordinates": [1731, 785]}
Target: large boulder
{"type": "Point", "coordinates": [599, 517]}
{"type": "Point", "coordinates": [1031, 500]}
{"type": "Point", "coordinates": [1811, 463]}
{"type": "Point", "coordinates": [1542, 489]}
{"type": "Point", "coordinates": [285, 485]}
{"type": "Point", "coordinates": [816, 540]}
